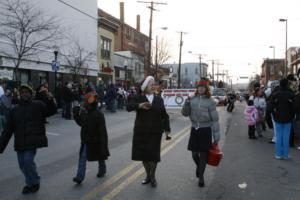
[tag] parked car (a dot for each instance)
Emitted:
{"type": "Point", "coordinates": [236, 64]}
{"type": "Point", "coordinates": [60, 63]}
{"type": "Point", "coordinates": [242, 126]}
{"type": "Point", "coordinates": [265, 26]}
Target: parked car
{"type": "Point", "coordinates": [220, 95]}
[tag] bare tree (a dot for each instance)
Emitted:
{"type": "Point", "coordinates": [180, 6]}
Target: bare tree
{"type": "Point", "coordinates": [27, 29]}
{"type": "Point", "coordinates": [163, 52]}
{"type": "Point", "coordinates": [77, 59]}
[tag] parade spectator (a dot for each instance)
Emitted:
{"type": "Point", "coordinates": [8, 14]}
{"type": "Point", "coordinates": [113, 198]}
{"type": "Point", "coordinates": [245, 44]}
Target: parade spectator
{"type": "Point", "coordinates": [5, 106]}
{"type": "Point", "coordinates": [121, 98]}
{"type": "Point", "coordinates": [43, 94]}
{"type": "Point", "coordinates": [27, 122]}
{"type": "Point", "coordinates": [151, 121]}
{"type": "Point", "coordinates": [94, 139]}
{"type": "Point", "coordinates": [100, 89]}
{"type": "Point", "coordinates": [282, 103]}
{"type": "Point", "coordinates": [15, 97]}
{"type": "Point", "coordinates": [67, 101]}
{"type": "Point", "coordinates": [201, 108]}
{"type": "Point", "coordinates": [1, 89]}
{"type": "Point", "coordinates": [111, 98]}
{"type": "Point", "coordinates": [261, 105]}
{"type": "Point", "coordinates": [297, 119]}
{"type": "Point", "coordinates": [251, 114]}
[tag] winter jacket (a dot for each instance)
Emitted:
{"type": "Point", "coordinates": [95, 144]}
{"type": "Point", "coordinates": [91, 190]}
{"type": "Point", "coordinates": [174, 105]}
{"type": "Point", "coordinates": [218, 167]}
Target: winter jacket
{"type": "Point", "coordinates": [93, 132]}
{"type": "Point", "coordinates": [282, 106]}
{"type": "Point", "coordinates": [67, 95]}
{"type": "Point", "coordinates": [203, 113]}
{"type": "Point", "coordinates": [251, 115]}
{"type": "Point", "coordinates": [27, 122]}
{"type": "Point", "coordinates": [155, 120]}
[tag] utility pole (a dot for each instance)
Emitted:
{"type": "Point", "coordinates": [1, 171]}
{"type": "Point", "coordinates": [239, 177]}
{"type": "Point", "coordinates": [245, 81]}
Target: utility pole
{"type": "Point", "coordinates": [151, 7]}
{"type": "Point", "coordinates": [179, 64]}
{"type": "Point", "coordinates": [213, 71]}
{"type": "Point", "coordinates": [218, 73]}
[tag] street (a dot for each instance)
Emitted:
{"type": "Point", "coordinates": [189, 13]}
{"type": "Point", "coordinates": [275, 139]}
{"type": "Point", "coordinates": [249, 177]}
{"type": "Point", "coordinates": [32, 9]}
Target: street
{"type": "Point", "coordinates": [57, 164]}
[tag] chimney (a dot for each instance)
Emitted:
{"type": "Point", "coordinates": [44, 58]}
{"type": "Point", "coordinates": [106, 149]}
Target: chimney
{"type": "Point", "coordinates": [138, 23]}
{"type": "Point", "coordinates": [122, 12]}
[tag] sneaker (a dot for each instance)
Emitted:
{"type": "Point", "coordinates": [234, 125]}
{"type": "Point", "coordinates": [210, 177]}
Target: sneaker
{"type": "Point", "coordinates": [278, 157]}
{"type": "Point", "coordinates": [286, 157]}
{"type": "Point", "coordinates": [77, 180]}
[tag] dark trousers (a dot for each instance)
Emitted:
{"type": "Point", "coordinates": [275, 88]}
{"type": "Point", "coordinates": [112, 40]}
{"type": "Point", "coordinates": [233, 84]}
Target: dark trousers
{"type": "Point", "coordinates": [28, 167]}
{"type": "Point", "coordinates": [66, 112]}
{"type": "Point", "coordinates": [251, 131]}
{"type": "Point", "coordinates": [82, 164]}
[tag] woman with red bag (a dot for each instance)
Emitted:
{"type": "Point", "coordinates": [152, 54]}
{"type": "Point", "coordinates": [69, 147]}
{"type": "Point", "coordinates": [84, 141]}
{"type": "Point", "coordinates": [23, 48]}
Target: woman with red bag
{"type": "Point", "coordinates": [201, 108]}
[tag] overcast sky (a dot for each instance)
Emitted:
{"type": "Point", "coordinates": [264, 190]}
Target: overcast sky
{"type": "Point", "coordinates": [236, 32]}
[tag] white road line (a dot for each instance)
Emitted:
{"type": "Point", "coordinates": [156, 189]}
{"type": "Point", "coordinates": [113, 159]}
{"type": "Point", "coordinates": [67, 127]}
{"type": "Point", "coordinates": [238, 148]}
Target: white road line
{"type": "Point", "coordinates": [50, 133]}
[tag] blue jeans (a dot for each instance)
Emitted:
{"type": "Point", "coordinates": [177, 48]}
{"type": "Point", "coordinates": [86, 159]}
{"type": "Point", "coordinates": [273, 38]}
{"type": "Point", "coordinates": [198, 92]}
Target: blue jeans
{"type": "Point", "coordinates": [28, 167]}
{"type": "Point", "coordinates": [82, 164]}
{"type": "Point", "coordinates": [283, 131]}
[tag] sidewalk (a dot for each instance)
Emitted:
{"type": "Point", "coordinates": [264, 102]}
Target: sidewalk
{"type": "Point", "coordinates": [249, 170]}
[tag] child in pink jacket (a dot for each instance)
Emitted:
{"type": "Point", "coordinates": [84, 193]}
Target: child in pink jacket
{"type": "Point", "coordinates": [251, 114]}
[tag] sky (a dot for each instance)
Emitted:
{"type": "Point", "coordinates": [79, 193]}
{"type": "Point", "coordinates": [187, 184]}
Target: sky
{"type": "Point", "coordinates": [238, 33]}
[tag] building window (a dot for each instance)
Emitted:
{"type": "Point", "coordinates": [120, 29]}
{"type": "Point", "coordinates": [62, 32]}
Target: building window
{"type": "Point", "coordinates": [186, 70]}
{"type": "Point", "coordinates": [117, 73]}
{"type": "Point", "coordinates": [128, 33]}
{"type": "Point", "coordinates": [105, 48]}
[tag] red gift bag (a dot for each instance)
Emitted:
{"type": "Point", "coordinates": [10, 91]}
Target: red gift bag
{"type": "Point", "coordinates": [214, 155]}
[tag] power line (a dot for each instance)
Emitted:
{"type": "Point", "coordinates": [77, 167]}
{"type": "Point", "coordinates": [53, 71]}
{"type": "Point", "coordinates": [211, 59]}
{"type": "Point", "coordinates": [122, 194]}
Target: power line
{"type": "Point", "coordinates": [82, 12]}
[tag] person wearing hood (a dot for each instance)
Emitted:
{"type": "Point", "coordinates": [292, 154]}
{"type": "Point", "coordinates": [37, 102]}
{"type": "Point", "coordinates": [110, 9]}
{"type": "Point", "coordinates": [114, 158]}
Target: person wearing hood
{"type": "Point", "coordinates": [251, 115]}
{"type": "Point", "coordinates": [282, 106]}
{"type": "Point", "coordinates": [27, 122]}
{"type": "Point", "coordinates": [150, 122]}
{"type": "Point", "coordinates": [202, 111]}
{"type": "Point", "coordinates": [5, 106]}
{"type": "Point", "coordinates": [94, 139]}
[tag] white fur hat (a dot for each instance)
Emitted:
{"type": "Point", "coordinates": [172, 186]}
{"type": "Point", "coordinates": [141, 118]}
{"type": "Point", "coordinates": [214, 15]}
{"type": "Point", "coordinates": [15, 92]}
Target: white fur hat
{"type": "Point", "coordinates": [146, 82]}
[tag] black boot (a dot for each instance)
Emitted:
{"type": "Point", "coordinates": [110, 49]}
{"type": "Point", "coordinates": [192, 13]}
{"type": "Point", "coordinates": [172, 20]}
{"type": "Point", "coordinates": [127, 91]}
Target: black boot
{"type": "Point", "coordinates": [31, 189]}
{"type": "Point", "coordinates": [147, 169]}
{"type": "Point", "coordinates": [202, 166]}
{"type": "Point", "coordinates": [196, 159]}
{"type": "Point", "coordinates": [152, 174]}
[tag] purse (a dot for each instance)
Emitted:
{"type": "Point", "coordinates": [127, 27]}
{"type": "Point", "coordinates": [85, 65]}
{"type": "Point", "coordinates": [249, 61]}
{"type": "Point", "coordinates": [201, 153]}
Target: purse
{"type": "Point", "coordinates": [215, 155]}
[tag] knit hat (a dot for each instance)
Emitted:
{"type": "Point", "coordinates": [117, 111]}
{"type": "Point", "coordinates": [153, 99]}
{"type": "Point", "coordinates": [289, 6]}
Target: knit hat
{"type": "Point", "coordinates": [25, 86]}
{"type": "Point", "coordinates": [146, 82]}
{"type": "Point", "coordinates": [91, 97]}
{"type": "Point", "coordinates": [203, 82]}
{"type": "Point", "coordinates": [284, 82]}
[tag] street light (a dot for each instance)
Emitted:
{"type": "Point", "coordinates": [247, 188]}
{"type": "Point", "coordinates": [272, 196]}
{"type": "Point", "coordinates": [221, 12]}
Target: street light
{"type": "Point", "coordinates": [286, 41]}
{"type": "Point", "coordinates": [55, 67]}
{"type": "Point", "coordinates": [179, 64]}
{"type": "Point", "coordinates": [273, 47]}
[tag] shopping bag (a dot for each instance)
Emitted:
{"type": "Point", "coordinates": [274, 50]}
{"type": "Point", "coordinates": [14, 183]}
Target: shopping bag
{"type": "Point", "coordinates": [214, 155]}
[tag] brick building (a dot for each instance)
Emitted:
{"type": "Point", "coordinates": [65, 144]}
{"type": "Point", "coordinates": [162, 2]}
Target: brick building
{"type": "Point", "coordinates": [272, 69]}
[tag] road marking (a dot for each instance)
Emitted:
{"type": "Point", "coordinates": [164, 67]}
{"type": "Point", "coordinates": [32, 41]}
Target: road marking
{"type": "Point", "coordinates": [125, 171]}
{"type": "Point", "coordinates": [50, 133]}
{"type": "Point", "coordinates": [133, 177]}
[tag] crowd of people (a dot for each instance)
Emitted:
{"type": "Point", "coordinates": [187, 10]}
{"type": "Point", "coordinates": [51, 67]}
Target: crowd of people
{"type": "Point", "coordinates": [276, 107]}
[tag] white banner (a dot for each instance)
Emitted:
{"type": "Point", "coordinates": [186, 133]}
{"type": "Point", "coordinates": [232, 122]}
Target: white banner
{"type": "Point", "coordinates": [175, 98]}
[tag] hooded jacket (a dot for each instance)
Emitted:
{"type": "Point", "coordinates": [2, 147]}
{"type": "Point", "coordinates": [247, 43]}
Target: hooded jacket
{"type": "Point", "coordinates": [251, 115]}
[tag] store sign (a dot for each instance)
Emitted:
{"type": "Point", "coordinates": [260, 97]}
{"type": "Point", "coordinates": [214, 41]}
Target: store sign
{"type": "Point", "coordinates": [175, 98]}
{"type": "Point", "coordinates": [6, 74]}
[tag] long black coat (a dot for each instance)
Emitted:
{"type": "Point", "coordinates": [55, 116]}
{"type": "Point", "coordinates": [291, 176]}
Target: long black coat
{"type": "Point", "coordinates": [93, 132]}
{"type": "Point", "coordinates": [148, 128]}
{"type": "Point", "coordinates": [27, 122]}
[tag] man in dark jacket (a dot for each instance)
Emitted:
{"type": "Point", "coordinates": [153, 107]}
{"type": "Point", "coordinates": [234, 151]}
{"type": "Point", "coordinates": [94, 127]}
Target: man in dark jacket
{"type": "Point", "coordinates": [282, 104]}
{"type": "Point", "coordinates": [67, 96]}
{"type": "Point", "coordinates": [27, 122]}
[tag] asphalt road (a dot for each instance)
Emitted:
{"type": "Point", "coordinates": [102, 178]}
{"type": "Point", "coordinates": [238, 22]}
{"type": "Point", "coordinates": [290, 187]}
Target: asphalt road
{"type": "Point", "coordinates": [57, 164]}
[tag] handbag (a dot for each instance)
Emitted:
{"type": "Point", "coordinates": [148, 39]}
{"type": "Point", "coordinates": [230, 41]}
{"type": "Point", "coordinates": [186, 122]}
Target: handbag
{"type": "Point", "coordinates": [214, 155]}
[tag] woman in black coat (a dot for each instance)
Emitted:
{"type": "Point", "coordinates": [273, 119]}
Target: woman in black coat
{"type": "Point", "coordinates": [94, 139]}
{"type": "Point", "coordinates": [150, 123]}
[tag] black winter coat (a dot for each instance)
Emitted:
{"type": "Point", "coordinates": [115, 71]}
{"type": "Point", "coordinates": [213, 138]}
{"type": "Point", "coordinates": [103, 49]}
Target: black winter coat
{"type": "Point", "coordinates": [93, 132]}
{"type": "Point", "coordinates": [282, 105]}
{"type": "Point", "coordinates": [27, 122]}
{"type": "Point", "coordinates": [148, 128]}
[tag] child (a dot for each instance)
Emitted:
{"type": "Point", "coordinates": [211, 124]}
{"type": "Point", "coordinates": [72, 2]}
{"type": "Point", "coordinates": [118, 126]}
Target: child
{"type": "Point", "coordinates": [94, 137]}
{"type": "Point", "coordinates": [251, 115]}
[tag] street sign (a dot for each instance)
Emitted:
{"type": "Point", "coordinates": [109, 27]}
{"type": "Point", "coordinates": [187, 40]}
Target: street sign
{"type": "Point", "coordinates": [55, 65]}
